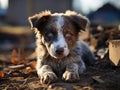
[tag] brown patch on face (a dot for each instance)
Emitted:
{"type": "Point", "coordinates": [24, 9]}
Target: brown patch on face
{"type": "Point", "coordinates": [70, 33]}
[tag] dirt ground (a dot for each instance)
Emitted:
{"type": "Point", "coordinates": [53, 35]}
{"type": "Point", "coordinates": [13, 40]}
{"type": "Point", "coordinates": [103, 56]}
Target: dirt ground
{"type": "Point", "coordinates": [17, 71]}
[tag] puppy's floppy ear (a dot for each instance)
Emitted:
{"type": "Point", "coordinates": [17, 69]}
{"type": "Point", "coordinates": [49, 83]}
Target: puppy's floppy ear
{"type": "Point", "coordinates": [33, 20]}
{"type": "Point", "coordinates": [80, 22]}
{"type": "Point", "coordinates": [39, 20]}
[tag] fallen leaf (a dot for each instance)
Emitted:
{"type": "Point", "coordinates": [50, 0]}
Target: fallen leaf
{"type": "Point", "coordinates": [15, 60]}
{"type": "Point", "coordinates": [14, 52]}
{"type": "Point", "coordinates": [29, 69]}
{"type": "Point", "coordinates": [2, 74]}
{"type": "Point", "coordinates": [14, 57]}
{"type": "Point", "coordinates": [33, 64]}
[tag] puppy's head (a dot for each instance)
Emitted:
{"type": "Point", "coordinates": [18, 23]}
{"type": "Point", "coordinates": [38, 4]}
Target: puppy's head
{"type": "Point", "coordinates": [59, 31]}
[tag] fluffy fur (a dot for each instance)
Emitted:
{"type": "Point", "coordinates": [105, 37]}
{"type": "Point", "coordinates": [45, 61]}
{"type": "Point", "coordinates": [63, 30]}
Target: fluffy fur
{"type": "Point", "coordinates": [60, 52]}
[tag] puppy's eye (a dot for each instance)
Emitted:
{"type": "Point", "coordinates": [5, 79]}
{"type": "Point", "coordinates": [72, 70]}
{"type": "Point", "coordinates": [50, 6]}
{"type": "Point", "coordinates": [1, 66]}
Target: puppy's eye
{"type": "Point", "coordinates": [68, 35]}
{"type": "Point", "coordinates": [50, 35]}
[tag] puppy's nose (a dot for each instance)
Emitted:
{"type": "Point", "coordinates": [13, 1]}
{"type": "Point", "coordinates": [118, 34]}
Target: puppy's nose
{"type": "Point", "coordinates": [59, 51]}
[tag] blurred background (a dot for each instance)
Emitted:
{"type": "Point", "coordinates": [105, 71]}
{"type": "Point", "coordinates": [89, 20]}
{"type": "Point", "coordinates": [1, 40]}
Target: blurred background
{"type": "Point", "coordinates": [15, 30]}
{"type": "Point", "coordinates": [17, 43]}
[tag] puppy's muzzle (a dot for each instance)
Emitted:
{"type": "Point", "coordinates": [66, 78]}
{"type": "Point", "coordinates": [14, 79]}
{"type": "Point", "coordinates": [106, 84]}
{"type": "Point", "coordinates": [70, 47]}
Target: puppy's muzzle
{"type": "Point", "coordinates": [59, 51]}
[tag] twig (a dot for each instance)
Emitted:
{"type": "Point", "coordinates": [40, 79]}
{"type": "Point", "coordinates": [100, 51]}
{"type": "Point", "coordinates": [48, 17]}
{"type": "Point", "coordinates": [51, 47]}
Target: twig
{"type": "Point", "coordinates": [19, 66]}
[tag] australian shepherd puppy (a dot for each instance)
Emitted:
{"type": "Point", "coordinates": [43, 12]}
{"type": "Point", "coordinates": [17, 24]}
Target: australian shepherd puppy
{"type": "Point", "coordinates": [60, 52]}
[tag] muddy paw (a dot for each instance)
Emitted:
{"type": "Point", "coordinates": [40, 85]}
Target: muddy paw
{"type": "Point", "coordinates": [48, 77]}
{"type": "Point", "coordinates": [70, 76]}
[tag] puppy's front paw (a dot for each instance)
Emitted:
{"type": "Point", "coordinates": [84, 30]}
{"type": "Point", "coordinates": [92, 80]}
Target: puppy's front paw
{"type": "Point", "coordinates": [48, 77]}
{"type": "Point", "coordinates": [70, 76]}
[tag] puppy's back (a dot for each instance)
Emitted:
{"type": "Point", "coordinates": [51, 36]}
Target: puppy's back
{"type": "Point", "coordinates": [84, 51]}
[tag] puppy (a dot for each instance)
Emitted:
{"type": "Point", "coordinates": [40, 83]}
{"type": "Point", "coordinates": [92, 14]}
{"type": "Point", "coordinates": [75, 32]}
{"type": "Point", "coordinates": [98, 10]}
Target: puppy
{"type": "Point", "coordinates": [60, 52]}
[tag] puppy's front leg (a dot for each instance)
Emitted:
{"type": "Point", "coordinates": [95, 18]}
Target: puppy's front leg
{"type": "Point", "coordinates": [46, 74]}
{"type": "Point", "coordinates": [72, 72]}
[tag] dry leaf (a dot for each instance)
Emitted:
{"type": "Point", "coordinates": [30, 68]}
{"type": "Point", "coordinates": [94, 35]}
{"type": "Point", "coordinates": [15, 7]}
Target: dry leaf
{"type": "Point", "coordinates": [17, 57]}
{"type": "Point", "coordinates": [2, 74]}
{"type": "Point", "coordinates": [23, 60]}
{"type": "Point", "coordinates": [29, 69]}
{"type": "Point", "coordinates": [15, 60]}
{"type": "Point", "coordinates": [14, 52]}
{"type": "Point", "coordinates": [33, 64]}
{"type": "Point", "coordinates": [14, 57]}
